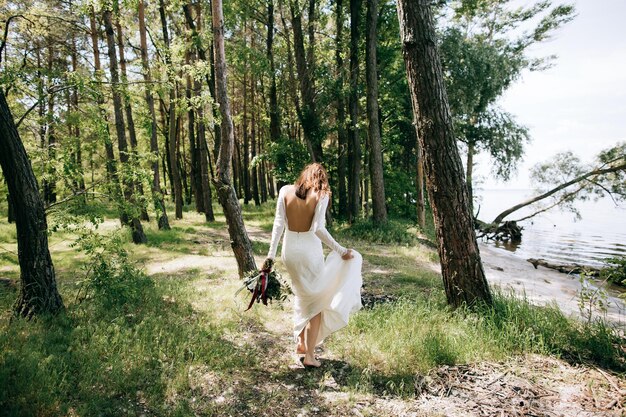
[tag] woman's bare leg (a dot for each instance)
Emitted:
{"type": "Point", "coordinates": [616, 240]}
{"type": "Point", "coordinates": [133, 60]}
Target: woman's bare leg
{"type": "Point", "coordinates": [301, 349]}
{"type": "Point", "coordinates": [311, 338]}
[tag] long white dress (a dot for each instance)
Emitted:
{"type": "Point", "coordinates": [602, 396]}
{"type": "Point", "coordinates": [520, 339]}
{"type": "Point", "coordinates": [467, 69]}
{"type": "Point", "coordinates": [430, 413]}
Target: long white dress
{"type": "Point", "coordinates": [328, 285]}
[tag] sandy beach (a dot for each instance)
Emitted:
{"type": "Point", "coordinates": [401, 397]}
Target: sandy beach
{"type": "Point", "coordinates": [542, 286]}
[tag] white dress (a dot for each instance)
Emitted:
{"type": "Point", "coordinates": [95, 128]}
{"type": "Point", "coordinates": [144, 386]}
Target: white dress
{"type": "Point", "coordinates": [331, 286]}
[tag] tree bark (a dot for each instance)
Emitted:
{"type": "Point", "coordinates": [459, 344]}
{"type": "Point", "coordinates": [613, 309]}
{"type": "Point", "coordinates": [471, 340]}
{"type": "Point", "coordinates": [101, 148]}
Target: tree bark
{"type": "Point", "coordinates": [240, 242]}
{"type": "Point", "coordinates": [342, 134]}
{"type": "Point", "coordinates": [273, 108]}
{"type": "Point", "coordinates": [461, 267]}
{"type": "Point", "coordinates": [38, 289]}
{"type": "Point", "coordinates": [130, 121]}
{"type": "Point", "coordinates": [375, 151]}
{"type": "Point", "coordinates": [49, 189]}
{"type": "Point", "coordinates": [173, 119]}
{"type": "Point", "coordinates": [419, 182]}
{"type": "Point", "coordinates": [354, 143]}
{"type": "Point", "coordinates": [128, 216]}
{"type": "Point", "coordinates": [469, 170]}
{"type": "Point", "coordinates": [309, 119]}
{"type": "Point", "coordinates": [157, 193]}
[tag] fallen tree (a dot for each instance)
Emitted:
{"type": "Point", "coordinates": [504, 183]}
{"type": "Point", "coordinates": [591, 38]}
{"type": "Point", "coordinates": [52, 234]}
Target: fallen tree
{"type": "Point", "coordinates": [578, 182]}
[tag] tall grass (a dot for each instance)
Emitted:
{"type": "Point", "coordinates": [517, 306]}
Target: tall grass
{"type": "Point", "coordinates": [109, 361]}
{"type": "Point", "coordinates": [392, 343]}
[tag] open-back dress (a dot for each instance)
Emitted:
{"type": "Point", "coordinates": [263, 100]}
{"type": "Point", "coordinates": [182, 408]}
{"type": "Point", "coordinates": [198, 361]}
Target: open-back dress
{"type": "Point", "coordinates": [331, 285]}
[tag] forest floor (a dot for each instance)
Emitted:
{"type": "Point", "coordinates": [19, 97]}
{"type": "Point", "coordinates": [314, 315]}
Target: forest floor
{"type": "Point", "coordinates": [196, 352]}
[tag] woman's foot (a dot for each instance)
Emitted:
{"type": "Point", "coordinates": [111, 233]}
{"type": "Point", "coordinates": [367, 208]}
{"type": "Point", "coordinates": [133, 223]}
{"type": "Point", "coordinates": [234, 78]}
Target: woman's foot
{"type": "Point", "coordinates": [301, 349]}
{"type": "Point", "coordinates": [311, 362]}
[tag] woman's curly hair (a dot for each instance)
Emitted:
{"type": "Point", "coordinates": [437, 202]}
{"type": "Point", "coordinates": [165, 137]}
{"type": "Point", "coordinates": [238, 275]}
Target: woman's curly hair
{"type": "Point", "coordinates": [314, 177]}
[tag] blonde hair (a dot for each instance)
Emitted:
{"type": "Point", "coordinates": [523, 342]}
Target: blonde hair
{"type": "Point", "coordinates": [314, 177]}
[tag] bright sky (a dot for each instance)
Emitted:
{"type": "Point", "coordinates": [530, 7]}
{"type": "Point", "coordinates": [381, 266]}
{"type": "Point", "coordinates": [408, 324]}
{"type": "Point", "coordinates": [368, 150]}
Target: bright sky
{"type": "Point", "coordinates": [580, 103]}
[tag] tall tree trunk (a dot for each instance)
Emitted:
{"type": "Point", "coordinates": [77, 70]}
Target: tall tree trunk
{"type": "Point", "coordinates": [207, 198]}
{"type": "Point", "coordinates": [173, 118]}
{"type": "Point", "coordinates": [157, 194]}
{"type": "Point", "coordinates": [471, 151]}
{"type": "Point", "coordinates": [309, 119]}
{"type": "Point", "coordinates": [194, 148]}
{"type": "Point", "coordinates": [247, 195]}
{"type": "Point", "coordinates": [342, 134]}
{"type": "Point", "coordinates": [419, 182]}
{"type": "Point", "coordinates": [49, 191]}
{"type": "Point", "coordinates": [130, 121]}
{"type": "Point", "coordinates": [253, 148]}
{"type": "Point", "coordinates": [79, 178]}
{"type": "Point", "coordinates": [354, 143]}
{"type": "Point", "coordinates": [461, 267]}
{"type": "Point", "coordinates": [240, 242]}
{"type": "Point", "coordinates": [38, 289]}
{"type": "Point", "coordinates": [111, 163]}
{"type": "Point", "coordinates": [375, 141]}
{"type": "Point", "coordinates": [128, 216]}
{"type": "Point", "coordinates": [274, 111]}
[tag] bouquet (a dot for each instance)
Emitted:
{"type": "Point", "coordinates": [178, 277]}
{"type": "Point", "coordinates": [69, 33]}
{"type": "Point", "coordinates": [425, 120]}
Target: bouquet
{"type": "Point", "coordinates": [265, 284]}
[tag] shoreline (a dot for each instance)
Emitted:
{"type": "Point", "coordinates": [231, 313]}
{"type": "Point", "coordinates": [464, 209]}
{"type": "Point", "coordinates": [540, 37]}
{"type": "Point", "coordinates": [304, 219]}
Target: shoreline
{"type": "Point", "coordinates": [542, 285]}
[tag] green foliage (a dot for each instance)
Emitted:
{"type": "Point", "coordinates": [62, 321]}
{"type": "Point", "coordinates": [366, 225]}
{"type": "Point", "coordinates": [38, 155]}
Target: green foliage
{"type": "Point", "coordinates": [393, 232]}
{"type": "Point", "coordinates": [484, 48]}
{"type": "Point", "coordinates": [615, 270]}
{"type": "Point", "coordinates": [607, 178]}
{"type": "Point", "coordinates": [111, 280]}
{"type": "Point", "coordinates": [288, 158]}
{"type": "Point", "coordinates": [591, 298]}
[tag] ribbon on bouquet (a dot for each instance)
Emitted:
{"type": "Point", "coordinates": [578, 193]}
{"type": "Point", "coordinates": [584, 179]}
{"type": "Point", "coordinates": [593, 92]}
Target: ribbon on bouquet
{"type": "Point", "coordinates": [260, 288]}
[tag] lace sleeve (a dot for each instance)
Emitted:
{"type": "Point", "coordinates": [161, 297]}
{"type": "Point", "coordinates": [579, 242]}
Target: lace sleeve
{"type": "Point", "coordinates": [279, 223]}
{"type": "Point", "coordinates": [319, 227]}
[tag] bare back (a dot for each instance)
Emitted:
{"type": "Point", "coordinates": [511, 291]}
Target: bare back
{"type": "Point", "coordinates": [300, 212]}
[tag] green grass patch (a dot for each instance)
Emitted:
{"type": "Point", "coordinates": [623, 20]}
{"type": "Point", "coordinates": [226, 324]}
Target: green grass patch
{"type": "Point", "coordinates": [389, 345]}
{"type": "Point", "coordinates": [110, 361]}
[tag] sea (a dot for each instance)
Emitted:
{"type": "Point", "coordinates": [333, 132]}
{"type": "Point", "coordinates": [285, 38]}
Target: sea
{"type": "Point", "coordinates": [559, 236]}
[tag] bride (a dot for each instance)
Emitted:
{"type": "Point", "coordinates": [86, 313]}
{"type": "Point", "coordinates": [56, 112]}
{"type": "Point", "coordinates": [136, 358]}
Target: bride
{"type": "Point", "coordinates": [326, 290]}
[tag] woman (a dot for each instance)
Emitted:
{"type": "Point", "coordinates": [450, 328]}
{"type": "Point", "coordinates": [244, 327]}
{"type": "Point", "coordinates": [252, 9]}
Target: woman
{"type": "Point", "coordinates": [326, 290]}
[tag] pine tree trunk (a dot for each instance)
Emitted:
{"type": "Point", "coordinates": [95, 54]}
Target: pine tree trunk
{"type": "Point", "coordinates": [419, 182]}
{"type": "Point", "coordinates": [342, 134]}
{"type": "Point", "coordinates": [354, 143]}
{"type": "Point", "coordinates": [375, 151]}
{"type": "Point", "coordinates": [49, 191]}
{"type": "Point", "coordinates": [471, 150]}
{"type": "Point", "coordinates": [157, 194]}
{"type": "Point", "coordinates": [79, 178]}
{"type": "Point", "coordinates": [38, 289]}
{"type": "Point", "coordinates": [173, 120]}
{"type": "Point", "coordinates": [240, 242]}
{"type": "Point", "coordinates": [247, 195]}
{"type": "Point", "coordinates": [204, 155]}
{"type": "Point", "coordinates": [461, 267]}
{"type": "Point", "coordinates": [253, 149]}
{"type": "Point", "coordinates": [130, 121]}
{"type": "Point", "coordinates": [128, 216]}
{"type": "Point", "coordinates": [111, 163]}
{"type": "Point", "coordinates": [309, 119]}
{"type": "Point", "coordinates": [274, 110]}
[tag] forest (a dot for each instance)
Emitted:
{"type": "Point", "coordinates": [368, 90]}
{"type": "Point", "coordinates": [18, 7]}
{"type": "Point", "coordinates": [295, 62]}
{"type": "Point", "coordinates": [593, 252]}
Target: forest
{"type": "Point", "coordinates": [143, 145]}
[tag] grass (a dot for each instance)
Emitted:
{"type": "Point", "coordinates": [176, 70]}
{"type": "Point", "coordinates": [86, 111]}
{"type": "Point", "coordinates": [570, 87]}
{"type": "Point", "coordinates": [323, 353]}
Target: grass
{"type": "Point", "coordinates": [181, 345]}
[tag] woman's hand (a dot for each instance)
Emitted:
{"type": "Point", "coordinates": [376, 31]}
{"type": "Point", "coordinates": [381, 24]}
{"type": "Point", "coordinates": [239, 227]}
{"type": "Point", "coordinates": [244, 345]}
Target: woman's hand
{"type": "Point", "coordinates": [348, 255]}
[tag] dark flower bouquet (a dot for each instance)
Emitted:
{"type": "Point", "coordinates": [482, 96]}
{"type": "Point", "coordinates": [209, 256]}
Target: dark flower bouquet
{"type": "Point", "coordinates": [265, 285]}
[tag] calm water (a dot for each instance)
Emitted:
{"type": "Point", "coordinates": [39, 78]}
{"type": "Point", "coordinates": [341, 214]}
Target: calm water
{"type": "Point", "coordinates": [557, 236]}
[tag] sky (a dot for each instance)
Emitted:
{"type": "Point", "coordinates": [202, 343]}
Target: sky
{"type": "Point", "coordinates": [580, 103]}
